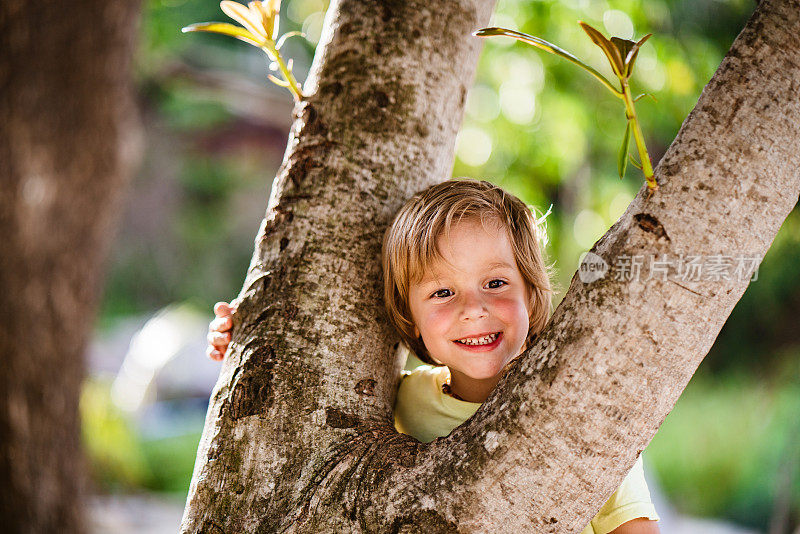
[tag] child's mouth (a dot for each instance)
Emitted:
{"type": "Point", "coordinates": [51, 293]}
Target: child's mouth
{"type": "Point", "coordinates": [486, 341]}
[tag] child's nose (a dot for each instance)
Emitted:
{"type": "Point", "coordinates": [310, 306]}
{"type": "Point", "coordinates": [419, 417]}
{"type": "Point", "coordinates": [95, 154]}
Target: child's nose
{"type": "Point", "coordinates": [473, 307]}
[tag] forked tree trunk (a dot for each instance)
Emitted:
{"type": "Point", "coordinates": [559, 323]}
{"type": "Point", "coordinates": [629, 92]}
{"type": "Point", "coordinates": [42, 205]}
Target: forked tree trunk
{"type": "Point", "coordinates": [66, 150]}
{"type": "Point", "coordinates": [298, 436]}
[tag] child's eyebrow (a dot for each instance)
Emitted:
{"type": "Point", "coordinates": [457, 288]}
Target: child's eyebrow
{"type": "Point", "coordinates": [500, 265]}
{"type": "Point", "coordinates": [431, 281]}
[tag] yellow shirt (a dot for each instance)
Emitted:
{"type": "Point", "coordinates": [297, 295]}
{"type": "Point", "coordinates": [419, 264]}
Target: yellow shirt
{"type": "Point", "coordinates": [423, 411]}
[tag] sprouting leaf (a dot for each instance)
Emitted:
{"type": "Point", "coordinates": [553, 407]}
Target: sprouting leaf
{"type": "Point", "coordinates": [246, 18]}
{"type": "Point", "coordinates": [622, 158]}
{"type": "Point", "coordinates": [608, 48]}
{"type": "Point", "coordinates": [621, 55]}
{"type": "Point", "coordinates": [634, 162]}
{"type": "Point", "coordinates": [548, 47]}
{"type": "Point", "coordinates": [631, 53]}
{"type": "Point", "coordinates": [623, 45]}
{"type": "Point", "coordinates": [286, 36]}
{"type": "Point", "coordinates": [259, 19]}
{"type": "Point", "coordinates": [267, 13]}
{"type": "Point", "coordinates": [277, 81]}
{"type": "Point", "coordinates": [223, 28]}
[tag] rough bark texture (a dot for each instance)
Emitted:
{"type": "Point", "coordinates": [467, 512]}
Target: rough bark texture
{"type": "Point", "coordinates": [312, 351]}
{"type": "Point", "coordinates": [298, 436]}
{"type": "Point", "coordinates": [65, 153]}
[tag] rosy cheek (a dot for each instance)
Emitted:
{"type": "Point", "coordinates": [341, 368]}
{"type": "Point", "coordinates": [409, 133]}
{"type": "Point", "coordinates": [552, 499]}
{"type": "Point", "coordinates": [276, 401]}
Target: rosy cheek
{"type": "Point", "coordinates": [510, 308]}
{"type": "Point", "coordinates": [437, 319]}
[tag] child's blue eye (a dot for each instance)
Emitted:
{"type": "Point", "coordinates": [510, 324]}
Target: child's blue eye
{"type": "Point", "coordinates": [442, 293]}
{"type": "Point", "coordinates": [494, 284]}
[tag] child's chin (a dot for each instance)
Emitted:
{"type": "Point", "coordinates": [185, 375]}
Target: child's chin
{"type": "Point", "coordinates": [492, 371]}
{"type": "Point", "coordinates": [486, 373]}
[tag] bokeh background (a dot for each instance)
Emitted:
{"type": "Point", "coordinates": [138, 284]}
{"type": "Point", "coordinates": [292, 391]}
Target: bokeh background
{"type": "Point", "coordinates": [216, 131]}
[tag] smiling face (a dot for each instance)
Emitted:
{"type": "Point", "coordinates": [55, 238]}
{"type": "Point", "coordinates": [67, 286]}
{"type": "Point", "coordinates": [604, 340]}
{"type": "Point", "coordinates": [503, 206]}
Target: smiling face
{"type": "Point", "coordinates": [471, 307]}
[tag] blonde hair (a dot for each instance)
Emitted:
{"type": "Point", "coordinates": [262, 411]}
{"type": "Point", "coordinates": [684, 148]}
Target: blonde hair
{"type": "Point", "coordinates": [409, 247]}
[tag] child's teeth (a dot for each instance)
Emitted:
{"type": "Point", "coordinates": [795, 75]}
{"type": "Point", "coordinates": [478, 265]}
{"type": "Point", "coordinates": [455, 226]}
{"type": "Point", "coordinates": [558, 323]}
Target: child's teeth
{"type": "Point", "coordinates": [485, 340]}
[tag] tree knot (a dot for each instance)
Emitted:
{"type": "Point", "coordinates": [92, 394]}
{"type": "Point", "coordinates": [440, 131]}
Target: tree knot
{"type": "Point", "coordinates": [650, 224]}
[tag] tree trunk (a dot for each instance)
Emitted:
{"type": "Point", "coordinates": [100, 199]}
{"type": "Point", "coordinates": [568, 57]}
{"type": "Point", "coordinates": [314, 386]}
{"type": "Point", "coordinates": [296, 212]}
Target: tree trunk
{"type": "Point", "coordinates": [298, 436]}
{"type": "Point", "coordinates": [68, 140]}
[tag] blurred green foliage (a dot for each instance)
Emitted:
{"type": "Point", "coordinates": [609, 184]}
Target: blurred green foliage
{"type": "Point", "coordinates": [115, 455]}
{"type": "Point", "coordinates": [762, 333]}
{"type": "Point", "coordinates": [122, 459]}
{"type": "Point", "coordinates": [533, 124]}
{"type": "Point", "coordinates": [550, 133]}
{"type": "Point", "coordinates": [732, 444]}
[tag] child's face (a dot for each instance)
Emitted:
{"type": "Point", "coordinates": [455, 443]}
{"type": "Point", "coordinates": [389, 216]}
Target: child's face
{"type": "Point", "coordinates": [472, 307]}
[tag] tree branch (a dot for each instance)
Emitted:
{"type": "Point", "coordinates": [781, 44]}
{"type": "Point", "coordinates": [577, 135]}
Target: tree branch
{"type": "Point", "coordinates": [561, 431]}
{"type": "Point", "coordinates": [299, 437]}
{"type": "Point", "coordinates": [308, 387]}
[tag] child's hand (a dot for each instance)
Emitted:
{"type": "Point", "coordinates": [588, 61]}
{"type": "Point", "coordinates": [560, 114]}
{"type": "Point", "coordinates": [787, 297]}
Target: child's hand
{"type": "Point", "coordinates": [219, 335]}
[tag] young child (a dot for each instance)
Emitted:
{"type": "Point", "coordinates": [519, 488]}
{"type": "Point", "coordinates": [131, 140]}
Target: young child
{"type": "Point", "coordinates": [467, 288]}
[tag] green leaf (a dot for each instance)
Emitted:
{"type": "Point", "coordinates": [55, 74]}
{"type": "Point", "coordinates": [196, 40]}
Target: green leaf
{"type": "Point", "coordinates": [634, 162]}
{"type": "Point", "coordinates": [623, 45]}
{"type": "Point", "coordinates": [622, 158]}
{"type": "Point", "coordinates": [632, 53]}
{"type": "Point", "coordinates": [224, 28]}
{"type": "Point", "coordinates": [547, 47]}
{"type": "Point", "coordinates": [609, 49]}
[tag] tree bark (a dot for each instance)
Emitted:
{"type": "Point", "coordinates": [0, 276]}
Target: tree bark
{"type": "Point", "coordinates": [298, 436]}
{"type": "Point", "coordinates": [68, 139]}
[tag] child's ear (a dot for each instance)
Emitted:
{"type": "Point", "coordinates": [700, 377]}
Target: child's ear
{"type": "Point", "coordinates": [416, 332]}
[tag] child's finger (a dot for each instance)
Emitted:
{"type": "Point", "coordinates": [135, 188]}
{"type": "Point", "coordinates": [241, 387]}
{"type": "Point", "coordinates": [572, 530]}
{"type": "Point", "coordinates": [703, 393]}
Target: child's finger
{"type": "Point", "coordinates": [214, 354]}
{"type": "Point", "coordinates": [220, 324]}
{"type": "Point", "coordinates": [223, 309]}
{"type": "Point", "coordinates": [220, 340]}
